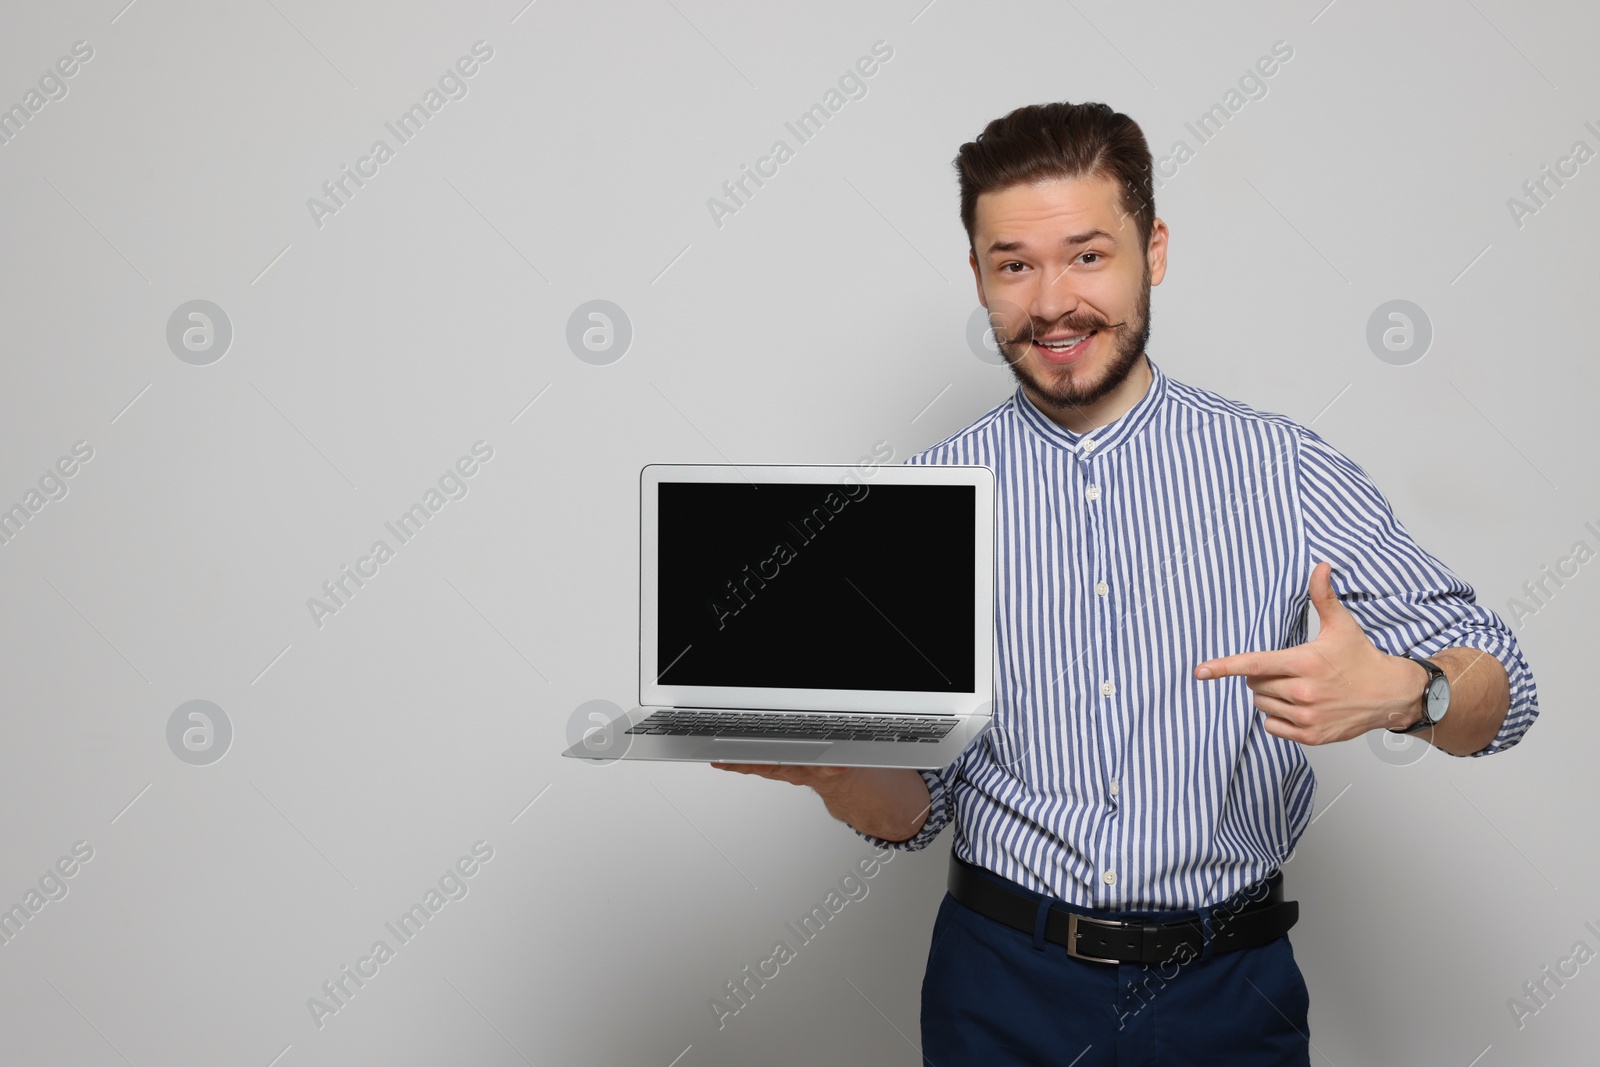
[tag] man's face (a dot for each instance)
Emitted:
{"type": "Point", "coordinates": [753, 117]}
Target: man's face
{"type": "Point", "coordinates": [1056, 260]}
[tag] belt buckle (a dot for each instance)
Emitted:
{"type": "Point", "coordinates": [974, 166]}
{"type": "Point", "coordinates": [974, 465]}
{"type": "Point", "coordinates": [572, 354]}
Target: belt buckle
{"type": "Point", "coordinates": [1072, 936]}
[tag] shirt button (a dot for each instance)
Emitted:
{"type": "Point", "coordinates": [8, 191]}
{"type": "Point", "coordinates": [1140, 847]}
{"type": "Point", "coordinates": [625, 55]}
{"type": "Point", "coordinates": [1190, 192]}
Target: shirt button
{"type": "Point", "coordinates": [1089, 444]}
{"type": "Point", "coordinates": [1110, 877]}
{"type": "Point", "coordinates": [1108, 689]}
{"type": "Point", "coordinates": [1101, 588]}
{"type": "Point", "coordinates": [1092, 493]}
{"type": "Point", "coordinates": [1115, 788]}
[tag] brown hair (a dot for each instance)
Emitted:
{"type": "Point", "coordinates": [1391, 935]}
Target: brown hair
{"type": "Point", "coordinates": [1059, 140]}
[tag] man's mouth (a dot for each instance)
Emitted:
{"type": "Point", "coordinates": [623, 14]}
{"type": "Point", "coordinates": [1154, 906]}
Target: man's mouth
{"type": "Point", "coordinates": [1064, 347]}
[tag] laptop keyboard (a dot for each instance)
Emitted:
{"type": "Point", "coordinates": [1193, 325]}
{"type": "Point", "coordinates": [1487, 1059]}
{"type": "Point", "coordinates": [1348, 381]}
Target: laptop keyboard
{"type": "Point", "coordinates": [697, 722]}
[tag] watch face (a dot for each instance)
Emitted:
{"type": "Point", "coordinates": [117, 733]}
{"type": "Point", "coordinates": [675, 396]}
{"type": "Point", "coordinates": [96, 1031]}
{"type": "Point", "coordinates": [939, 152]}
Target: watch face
{"type": "Point", "coordinates": [1438, 698]}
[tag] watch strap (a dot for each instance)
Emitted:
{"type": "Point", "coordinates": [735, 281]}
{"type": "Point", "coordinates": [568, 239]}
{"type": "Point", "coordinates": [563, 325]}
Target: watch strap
{"type": "Point", "coordinates": [1434, 672]}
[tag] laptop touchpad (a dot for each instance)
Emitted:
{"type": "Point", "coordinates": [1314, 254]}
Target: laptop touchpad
{"type": "Point", "coordinates": [756, 750]}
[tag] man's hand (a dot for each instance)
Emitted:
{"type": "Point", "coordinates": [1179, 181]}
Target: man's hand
{"type": "Point", "coordinates": [885, 802]}
{"type": "Point", "coordinates": [1332, 688]}
{"type": "Point", "coordinates": [818, 778]}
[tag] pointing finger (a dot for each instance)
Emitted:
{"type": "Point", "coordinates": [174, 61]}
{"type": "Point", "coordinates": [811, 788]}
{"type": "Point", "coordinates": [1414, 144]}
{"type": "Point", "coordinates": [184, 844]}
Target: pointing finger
{"type": "Point", "coordinates": [1245, 664]}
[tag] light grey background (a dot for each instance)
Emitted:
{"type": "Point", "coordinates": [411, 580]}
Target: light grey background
{"type": "Point", "coordinates": [371, 352]}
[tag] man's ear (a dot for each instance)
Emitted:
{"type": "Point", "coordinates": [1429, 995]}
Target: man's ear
{"type": "Point", "coordinates": [1158, 251]}
{"type": "Point", "coordinates": [977, 277]}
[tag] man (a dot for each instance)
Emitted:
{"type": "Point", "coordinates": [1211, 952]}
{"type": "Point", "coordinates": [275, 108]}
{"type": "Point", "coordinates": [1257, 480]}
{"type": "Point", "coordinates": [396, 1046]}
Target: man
{"type": "Point", "coordinates": [1157, 545]}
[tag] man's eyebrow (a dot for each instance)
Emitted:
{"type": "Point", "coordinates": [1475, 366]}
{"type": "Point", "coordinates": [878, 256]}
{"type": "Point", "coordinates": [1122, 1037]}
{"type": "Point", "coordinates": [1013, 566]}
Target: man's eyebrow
{"type": "Point", "coordinates": [1070, 240]}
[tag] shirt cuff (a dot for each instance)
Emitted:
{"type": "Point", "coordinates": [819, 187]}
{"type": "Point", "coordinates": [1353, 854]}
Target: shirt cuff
{"type": "Point", "coordinates": [1524, 703]}
{"type": "Point", "coordinates": [941, 809]}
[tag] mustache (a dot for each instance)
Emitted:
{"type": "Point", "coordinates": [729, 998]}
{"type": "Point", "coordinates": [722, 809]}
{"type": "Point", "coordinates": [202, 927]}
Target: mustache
{"type": "Point", "coordinates": [1070, 327]}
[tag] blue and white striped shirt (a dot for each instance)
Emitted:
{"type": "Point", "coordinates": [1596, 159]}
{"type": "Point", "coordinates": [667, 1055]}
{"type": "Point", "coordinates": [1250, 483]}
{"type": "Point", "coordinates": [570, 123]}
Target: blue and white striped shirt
{"type": "Point", "coordinates": [1184, 530]}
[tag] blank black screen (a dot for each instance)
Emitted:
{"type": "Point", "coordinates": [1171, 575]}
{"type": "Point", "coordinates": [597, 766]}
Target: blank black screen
{"type": "Point", "coordinates": [816, 586]}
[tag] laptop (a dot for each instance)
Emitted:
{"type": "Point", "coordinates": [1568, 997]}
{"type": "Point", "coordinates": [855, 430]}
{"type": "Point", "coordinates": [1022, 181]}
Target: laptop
{"type": "Point", "coordinates": [829, 614]}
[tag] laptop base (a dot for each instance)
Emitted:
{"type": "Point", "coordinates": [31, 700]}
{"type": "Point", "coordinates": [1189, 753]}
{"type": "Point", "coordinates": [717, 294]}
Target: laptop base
{"type": "Point", "coordinates": [612, 742]}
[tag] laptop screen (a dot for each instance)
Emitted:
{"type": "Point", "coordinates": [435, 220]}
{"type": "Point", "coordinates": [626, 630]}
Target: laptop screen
{"type": "Point", "coordinates": [816, 586]}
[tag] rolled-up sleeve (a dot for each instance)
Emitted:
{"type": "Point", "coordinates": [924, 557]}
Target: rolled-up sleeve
{"type": "Point", "coordinates": [1407, 601]}
{"type": "Point", "coordinates": [941, 808]}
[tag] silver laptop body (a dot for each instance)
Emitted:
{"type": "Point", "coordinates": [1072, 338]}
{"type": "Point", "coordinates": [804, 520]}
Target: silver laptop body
{"type": "Point", "coordinates": [831, 614]}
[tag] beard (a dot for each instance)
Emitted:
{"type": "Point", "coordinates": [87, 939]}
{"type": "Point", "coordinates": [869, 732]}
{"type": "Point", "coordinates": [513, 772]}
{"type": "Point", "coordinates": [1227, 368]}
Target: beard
{"type": "Point", "coordinates": [1074, 388]}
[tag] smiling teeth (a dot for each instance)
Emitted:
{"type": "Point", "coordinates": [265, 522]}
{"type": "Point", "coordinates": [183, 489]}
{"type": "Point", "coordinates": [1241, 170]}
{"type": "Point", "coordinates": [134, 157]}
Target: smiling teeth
{"type": "Point", "coordinates": [1063, 344]}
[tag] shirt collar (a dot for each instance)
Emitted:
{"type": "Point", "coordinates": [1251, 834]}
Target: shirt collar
{"type": "Point", "coordinates": [1104, 438]}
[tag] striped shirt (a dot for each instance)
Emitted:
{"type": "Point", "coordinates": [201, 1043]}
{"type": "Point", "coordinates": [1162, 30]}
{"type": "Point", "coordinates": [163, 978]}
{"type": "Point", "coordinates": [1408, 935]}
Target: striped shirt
{"type": "Point", "coordinates": [1184, 530]}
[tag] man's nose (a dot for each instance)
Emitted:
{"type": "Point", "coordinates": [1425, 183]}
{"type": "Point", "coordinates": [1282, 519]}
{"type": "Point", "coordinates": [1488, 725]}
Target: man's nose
{"type": "Point", "coordinates": [1055, 296]}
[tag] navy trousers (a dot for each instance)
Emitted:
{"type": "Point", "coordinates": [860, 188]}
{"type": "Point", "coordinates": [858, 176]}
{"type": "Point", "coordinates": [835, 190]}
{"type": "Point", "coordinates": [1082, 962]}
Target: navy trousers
{"type": "Point", "coordinates": [996, 996]}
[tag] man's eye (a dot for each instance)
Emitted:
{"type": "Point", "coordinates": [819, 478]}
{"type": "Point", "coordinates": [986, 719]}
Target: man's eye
{"type": "Point", "coordinates": [1011, 264]}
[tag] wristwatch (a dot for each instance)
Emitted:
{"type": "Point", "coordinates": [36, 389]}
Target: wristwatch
{"type": "Point", "coordinates": [1435, 698]}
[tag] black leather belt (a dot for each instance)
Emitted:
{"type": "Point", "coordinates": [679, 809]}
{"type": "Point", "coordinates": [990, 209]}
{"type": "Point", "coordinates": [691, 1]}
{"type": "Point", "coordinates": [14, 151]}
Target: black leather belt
{"type": "Point", "coordinates": [1253, 923]}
